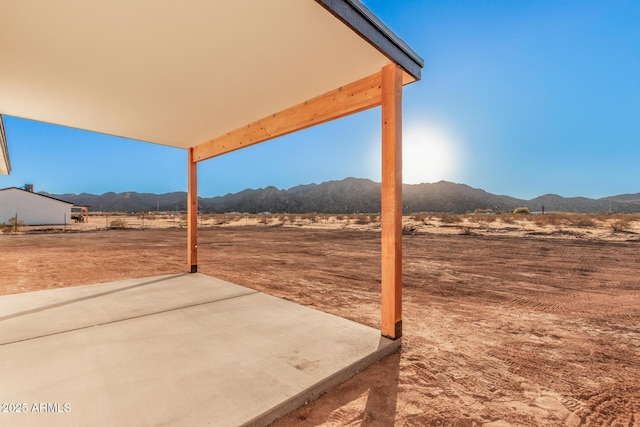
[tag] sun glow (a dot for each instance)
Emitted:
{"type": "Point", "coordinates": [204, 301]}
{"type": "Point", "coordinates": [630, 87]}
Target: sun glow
{"type": "Point", "coordinates": [428, 155]}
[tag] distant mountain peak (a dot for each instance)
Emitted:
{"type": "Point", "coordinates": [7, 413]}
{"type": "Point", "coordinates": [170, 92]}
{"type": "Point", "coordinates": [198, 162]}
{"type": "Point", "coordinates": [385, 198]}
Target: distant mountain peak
{"type": "Point", "coordinates": [350, 195]}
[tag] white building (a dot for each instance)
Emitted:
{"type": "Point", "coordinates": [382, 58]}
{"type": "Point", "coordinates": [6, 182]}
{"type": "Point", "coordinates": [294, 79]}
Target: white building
{"type": "Point", "coordinates": [33, 208]}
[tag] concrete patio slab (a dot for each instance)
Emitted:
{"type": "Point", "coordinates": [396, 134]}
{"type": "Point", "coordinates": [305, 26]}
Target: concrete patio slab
{"type": "Point", "coordinates": [170, 350]}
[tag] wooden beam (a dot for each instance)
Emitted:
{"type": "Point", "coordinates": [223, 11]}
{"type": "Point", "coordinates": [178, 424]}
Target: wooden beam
{"type": "Point", "coordinates": [352, 98]}
{"type": "Point", "coordinates": [391, 215]}
{"type": "Point", "coordinates": [192, 214]}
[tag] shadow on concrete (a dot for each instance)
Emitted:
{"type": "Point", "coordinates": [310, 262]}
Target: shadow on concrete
{"type": "Point", "coordinates": [88, 297]}
{"type": "Point", "coordinates": [196, 349]}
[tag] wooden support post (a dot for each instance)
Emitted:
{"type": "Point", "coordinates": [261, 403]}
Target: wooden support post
{"type": "Point", "coordinates": [391, 215]}
{"type": "Point", "coordinates": [192, 214]}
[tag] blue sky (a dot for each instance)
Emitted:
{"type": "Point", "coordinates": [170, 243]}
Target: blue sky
{"type": "Point", "coordinates": [522, 98]}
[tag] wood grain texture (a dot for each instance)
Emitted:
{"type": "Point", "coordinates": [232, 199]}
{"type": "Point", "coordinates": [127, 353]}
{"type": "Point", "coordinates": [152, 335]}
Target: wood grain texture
{"type": "Point", "coordinates": [391, 213]}
{"type": "Point", "coordinates": [192, 214]}
{"type": "Point", "coordinates": [352, 98]}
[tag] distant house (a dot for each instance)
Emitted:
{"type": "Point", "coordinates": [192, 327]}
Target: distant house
{"type": "Point", "coordinates": [33, 208]}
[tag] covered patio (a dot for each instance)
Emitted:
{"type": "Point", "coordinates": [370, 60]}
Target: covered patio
{"type": "Point", "coordinates": [184, 349]}
{"type": "Point", "coordinates": [209, 78]}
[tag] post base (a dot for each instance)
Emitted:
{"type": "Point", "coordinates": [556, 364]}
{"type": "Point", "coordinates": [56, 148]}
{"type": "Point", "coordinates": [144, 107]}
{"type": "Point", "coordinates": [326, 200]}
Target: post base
{"type": "Point", "coordinates": [397, 334]}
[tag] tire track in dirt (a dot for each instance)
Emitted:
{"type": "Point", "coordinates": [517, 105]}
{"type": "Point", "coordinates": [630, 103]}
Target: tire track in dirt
{"type": "Point", "coordinates": [547, 304]}
{"type": "Point", "coordinates": [535, 366]}
{"type": "Point", "coordinates": [519, 330]}
{"type": "Point", "coordinates": [615, 406]}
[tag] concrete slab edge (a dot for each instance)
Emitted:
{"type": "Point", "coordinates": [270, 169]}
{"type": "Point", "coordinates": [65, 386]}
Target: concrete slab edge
{"type": "Point", "coordinates": [315, 391]}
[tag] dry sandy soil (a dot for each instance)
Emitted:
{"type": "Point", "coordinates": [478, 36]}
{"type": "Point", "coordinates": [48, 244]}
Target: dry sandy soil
{"type": "Point", "coordinates": [499, 328]}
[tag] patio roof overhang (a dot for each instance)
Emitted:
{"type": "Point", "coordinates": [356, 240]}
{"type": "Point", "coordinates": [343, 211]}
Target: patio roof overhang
{"type": "Point", "coordinates": [183, 73]}
{"type": "Point", "coordinates": [212, 77]}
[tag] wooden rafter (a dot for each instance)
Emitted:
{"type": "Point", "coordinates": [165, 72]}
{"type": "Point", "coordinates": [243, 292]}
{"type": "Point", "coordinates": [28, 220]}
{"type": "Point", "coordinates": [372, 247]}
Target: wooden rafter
{"type": "Point", "coordinates": [352, 98]}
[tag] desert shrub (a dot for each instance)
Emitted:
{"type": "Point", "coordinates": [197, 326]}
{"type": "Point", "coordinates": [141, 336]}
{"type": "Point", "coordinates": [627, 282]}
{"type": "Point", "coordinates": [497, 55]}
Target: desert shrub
{"type": "Point", "coordinates": [450, 219]}
{"type": "Point", "coordinates": [521, 211]}
{"type": "Point", "coordinates": [363, 219]}
{"type": "Point", "coordinates": [548, 219]}
{"type": "Point", "coordinates": [542, 220]}
{"type": "Point", "coordinates": [339, 217]}
{"type": "Point", "coordinates": [507, 219]}
{"type": "Point", "coordinates": [408, 230]}
{"type": "Point", "coordinates": [14, 224]}
{"type": "Point", "coordinates": [483, 218]}
{"type": "Point", "coordinates": [118, 224]}
{"type": "Point", "coordinates": [223, 219]}
{"type": "Point", "coordinates": [310, 216]}
{"type": "Point", "coordinates": [423, 218]}
{"type": "Point", "coordinates": [466, 231]}
{"type": "Point", "coordinates": [620, 225]}
{"type": "Point", "coordinates": [583, 221]}
{"type": "Point", "coordinates": [483, 211]}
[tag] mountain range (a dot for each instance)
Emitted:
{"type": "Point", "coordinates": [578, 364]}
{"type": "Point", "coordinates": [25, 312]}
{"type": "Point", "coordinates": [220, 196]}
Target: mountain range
{"type": "Point", "coordinates": [351, 195]}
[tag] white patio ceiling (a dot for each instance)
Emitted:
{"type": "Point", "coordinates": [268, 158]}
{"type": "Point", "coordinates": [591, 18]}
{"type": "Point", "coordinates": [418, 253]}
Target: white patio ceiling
{"type": "Point", "coordinates": [180, 73]}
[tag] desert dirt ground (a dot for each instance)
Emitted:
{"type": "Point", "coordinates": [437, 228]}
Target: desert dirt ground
{"type": "Point", "coordinates": [534, 329]}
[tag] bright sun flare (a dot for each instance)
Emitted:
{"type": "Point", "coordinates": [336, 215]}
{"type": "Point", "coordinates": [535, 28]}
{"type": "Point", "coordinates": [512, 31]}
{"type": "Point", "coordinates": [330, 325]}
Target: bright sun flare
{"type": "Point", "coordinates": [428, 155]}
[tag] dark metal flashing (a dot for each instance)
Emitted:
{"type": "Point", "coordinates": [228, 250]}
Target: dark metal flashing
{"type": "Point", "coordinates": [361, 20]}
{"type": "Point", "coordinates": [4, 149]}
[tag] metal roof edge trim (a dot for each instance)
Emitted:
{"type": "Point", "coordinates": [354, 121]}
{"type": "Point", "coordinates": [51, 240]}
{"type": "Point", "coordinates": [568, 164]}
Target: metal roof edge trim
{"type": "Point", "coordinates": [4, 149]}
{"type": "Point", "coordinates": [37, 194]}
{"type": "Point", "coordinates": [360, 19]}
